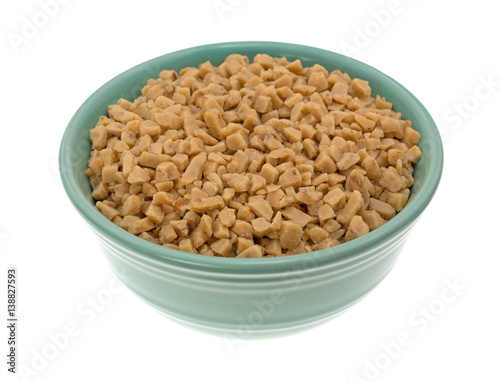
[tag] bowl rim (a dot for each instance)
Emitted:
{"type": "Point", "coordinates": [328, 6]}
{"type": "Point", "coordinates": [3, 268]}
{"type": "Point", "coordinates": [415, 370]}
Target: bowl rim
{"type": "Point", "coordinates": [345, 251]}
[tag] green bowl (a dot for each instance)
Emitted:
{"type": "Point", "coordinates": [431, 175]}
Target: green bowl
{"type": "Point", "coordinates": [250, 298]}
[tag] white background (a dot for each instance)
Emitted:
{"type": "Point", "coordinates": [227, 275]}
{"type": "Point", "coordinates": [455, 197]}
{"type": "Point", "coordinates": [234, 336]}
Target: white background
{"type": "Point", "coordinates": [443, 52]}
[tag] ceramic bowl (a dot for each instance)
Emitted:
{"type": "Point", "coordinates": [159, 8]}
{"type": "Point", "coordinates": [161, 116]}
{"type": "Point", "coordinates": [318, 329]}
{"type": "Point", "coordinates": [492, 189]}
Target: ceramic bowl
{"type": "Point", "coordinates": [250, 298]}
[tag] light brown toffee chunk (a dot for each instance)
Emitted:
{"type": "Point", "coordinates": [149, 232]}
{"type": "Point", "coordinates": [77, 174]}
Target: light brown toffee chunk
{"type": "Point", "coordinates": [252, 159]}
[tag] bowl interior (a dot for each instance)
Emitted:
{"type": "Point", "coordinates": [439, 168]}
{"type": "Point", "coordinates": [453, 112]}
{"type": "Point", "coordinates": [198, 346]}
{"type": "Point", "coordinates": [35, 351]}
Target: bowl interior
{"type": "Point", "coordinates": [75, 145]}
